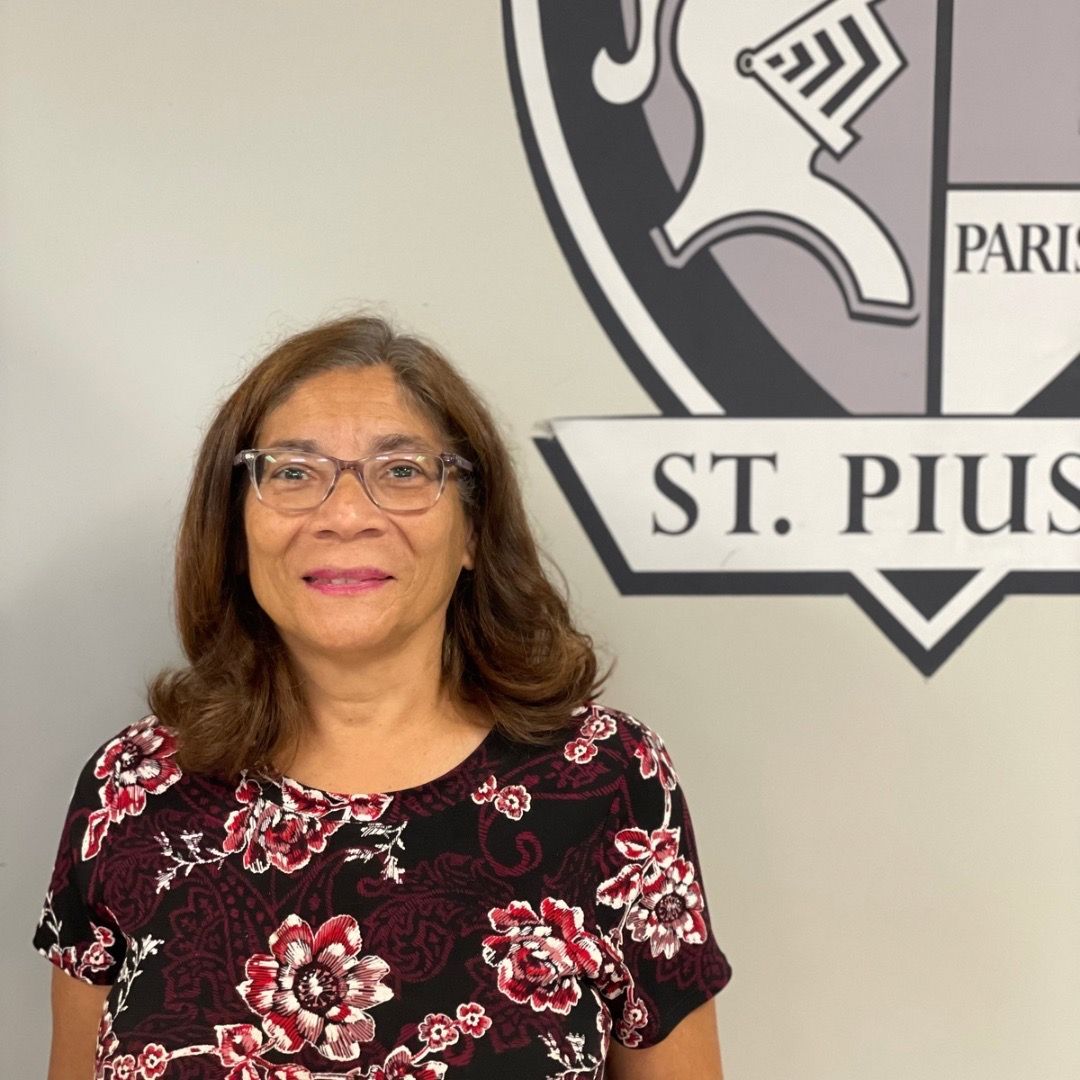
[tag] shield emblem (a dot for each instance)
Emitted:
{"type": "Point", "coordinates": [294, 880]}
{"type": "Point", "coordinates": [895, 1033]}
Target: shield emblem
{"type": "Point", "coordinates": [847, 211]}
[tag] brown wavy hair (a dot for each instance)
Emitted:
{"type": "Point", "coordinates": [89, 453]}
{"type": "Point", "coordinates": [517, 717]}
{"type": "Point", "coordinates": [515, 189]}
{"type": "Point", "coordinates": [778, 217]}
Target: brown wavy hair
{"type": "Point", "coordinates": [510, 647]}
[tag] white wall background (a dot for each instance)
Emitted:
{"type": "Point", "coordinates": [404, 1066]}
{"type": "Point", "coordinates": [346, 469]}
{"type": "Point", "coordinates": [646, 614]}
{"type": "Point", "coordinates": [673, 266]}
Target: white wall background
{"type": "Point", "coordinates": [892, 862]}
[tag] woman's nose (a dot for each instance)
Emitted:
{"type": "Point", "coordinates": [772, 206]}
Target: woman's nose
{"type": "Point", "coordinates": [348, 507]}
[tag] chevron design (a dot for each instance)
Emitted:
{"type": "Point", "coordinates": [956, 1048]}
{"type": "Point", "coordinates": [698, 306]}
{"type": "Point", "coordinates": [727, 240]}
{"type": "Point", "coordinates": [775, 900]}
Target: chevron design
{"type": "Point", "coordinates": [826, 67]}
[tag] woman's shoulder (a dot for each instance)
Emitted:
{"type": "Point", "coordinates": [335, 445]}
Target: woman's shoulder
{"type": "Point", "coordinates": [119, 776]}
{"type": "Point", "coordinates": [142, 750]}
{"type": "Point", "coordinates": [624, 741]}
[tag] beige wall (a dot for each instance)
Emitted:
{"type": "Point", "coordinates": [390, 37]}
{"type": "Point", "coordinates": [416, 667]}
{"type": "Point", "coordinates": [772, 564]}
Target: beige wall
{"type": "Point", "coordinates": [891, 860]}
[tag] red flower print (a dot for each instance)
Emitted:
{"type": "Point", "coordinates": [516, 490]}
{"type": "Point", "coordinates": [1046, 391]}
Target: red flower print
{"type": "Point", "coordinates": [401, 1065]}
{"type": "Point", "coordinates": [240, 1046]}
{"type": "Point", "coordinates": [97, 957]}
{"type": "Point", "coordinates": [598, 726]}
{"type": "Point", "coordinates": [633, 843]}
{"type": "Point", "coordinates": [614, 976]}
{"type": "Point", "coordinates": [94, 957]}
{"type": "Point", "coordinates": [513, 801]}
{"type": "Point", "coordinates": [472, 1020]}
{"type": "Point", "coordinates": [539, 957]}
{"type": "Point", "coordinates": [123, 1067]}
{"type": "Point", "coordinates": [579, 751]}
{"type": "Point", "coordinates": [668, 911]}
{"type": "Point", "coordinates": [368, 807]}
{"type": "Point", "coordinates": [97, 825]}
{"type": "Point", "coordinates": [107, 1042]}
{"type": "Point", "coordinates": [138, 762]}
{"type": "Point", "coordinates": [654, 760]}
{"type": "Point", "coordinates": [304, 800]}
{"type": "Point", "coordinates": [246, 1070]}
{"type": "Point", "coordinates": [237, 1043]}
{"type": "Point", "coordinates": [272, 835]}
{"type": "Point", "coordinates": [67, 959]}
{"type": "Point", "coordinates": [314, 987]}
{"type": "Point", "coordinates": [313, 803]}
{"type": "Point", "coordinates": [617, 891]}
{"type": "Point", "coordinates": [438, 1031]}
{"type": "Point", "coordinates": [485, 792]}
{"type": "Point", "coordinates": [153, 1061]}
{"type": "Point", "coordinates": [634, 1017]}
{"type": "Point", "coordinates": [662, 845]}
{"type": "Point", "coordinates": [595, 725]}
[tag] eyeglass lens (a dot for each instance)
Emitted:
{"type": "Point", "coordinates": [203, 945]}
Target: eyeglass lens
{"type": "Point", "coordinates": [295, 481]}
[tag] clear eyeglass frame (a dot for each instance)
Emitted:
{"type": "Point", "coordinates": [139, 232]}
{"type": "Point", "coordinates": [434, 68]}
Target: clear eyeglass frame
{"type": "Point", "coordinates": [446, 460]}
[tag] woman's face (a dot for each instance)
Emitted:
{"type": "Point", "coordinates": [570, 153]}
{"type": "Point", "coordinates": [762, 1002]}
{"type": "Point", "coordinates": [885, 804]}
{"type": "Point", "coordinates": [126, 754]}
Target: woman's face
{"type": "Point", "coordinates": [343, 413]}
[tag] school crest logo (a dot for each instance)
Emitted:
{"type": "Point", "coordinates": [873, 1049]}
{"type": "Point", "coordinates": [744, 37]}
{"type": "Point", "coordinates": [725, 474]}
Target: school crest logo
{"type": "Point", "coordinates": [839, 246]}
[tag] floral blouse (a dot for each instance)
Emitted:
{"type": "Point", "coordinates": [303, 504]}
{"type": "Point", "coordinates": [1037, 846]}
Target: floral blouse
{"type": "Point", "coordinates": [508, 918]}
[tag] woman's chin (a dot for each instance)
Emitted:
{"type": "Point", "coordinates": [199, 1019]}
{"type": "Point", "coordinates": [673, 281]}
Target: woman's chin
{"type": "Point", "coordinates": [354, 645]}
{"type": "Point", "coordinates": [346, 643]}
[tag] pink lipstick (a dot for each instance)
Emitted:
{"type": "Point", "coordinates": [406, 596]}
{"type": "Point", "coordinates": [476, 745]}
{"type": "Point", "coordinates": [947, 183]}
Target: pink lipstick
{"type": "Point", "coordinates": [346, 580]}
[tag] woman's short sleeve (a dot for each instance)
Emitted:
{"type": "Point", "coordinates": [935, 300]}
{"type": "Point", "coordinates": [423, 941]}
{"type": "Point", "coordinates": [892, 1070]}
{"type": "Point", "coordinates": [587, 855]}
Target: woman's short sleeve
{"type": "Point", "coordinates": [661, 960]}
{"type": "Point", "coordinates": [76, 932]}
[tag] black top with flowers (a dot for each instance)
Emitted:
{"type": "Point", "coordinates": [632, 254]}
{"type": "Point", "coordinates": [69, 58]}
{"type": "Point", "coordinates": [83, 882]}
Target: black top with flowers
{"type": "Point", "coordinates": [507, 918]}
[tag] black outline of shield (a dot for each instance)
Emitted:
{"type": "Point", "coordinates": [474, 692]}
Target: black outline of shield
{"type": "Point", "coordinates": [768, 583]}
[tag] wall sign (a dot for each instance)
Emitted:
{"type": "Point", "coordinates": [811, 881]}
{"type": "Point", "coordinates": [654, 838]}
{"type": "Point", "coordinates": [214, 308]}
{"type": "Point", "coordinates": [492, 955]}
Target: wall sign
{"type": "Point", "coordinates": [839, 246]}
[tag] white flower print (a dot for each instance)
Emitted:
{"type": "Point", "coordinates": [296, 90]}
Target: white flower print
{"type": "Point", "coordinates": [437, 1031]}
{"type": "Point", "coordinates": [472, 1020]}
{"type": "Point", "coordinates": [486, 791]}
{"type": "Point", "coordinates": [655, 890]}
{"type": "Point", "coordinates": [134, 764]}
{"type": "Point", "coordinates": [314, 987]}
{"type": "Point", "coordinates": [512, 801]}
{"type": "Point", "coordinates": [596, 725]}
{"type": "Point", "coordinates": [668, 911]}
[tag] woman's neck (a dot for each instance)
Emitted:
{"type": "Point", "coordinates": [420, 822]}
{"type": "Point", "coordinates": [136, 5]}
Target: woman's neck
{"type": "Point", "coordinates": [381, 725]}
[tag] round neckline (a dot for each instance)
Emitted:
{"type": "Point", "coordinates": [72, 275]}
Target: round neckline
{"type": "Point", "coordinates": [476, 756]}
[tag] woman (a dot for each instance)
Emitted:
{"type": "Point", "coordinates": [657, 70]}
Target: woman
{"type": "Point", "coordinates": [379, 828]}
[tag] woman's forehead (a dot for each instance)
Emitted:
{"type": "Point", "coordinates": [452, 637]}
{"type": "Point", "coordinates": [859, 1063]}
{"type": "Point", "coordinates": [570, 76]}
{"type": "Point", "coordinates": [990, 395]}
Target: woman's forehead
{"type": "Point", "coordinates": [364, 407]}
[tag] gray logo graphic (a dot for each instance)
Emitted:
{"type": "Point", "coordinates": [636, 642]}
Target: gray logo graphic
{"type": "Point", "coordinates": [839, 245]}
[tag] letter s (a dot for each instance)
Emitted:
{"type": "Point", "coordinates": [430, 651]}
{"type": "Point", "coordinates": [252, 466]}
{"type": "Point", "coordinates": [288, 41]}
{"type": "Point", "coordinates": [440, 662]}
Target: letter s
{"type": "Point", "coordinates": [683, 499]}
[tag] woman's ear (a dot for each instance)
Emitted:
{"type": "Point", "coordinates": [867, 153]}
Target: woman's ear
{"type": "Point", "coordinates": [468, 559]}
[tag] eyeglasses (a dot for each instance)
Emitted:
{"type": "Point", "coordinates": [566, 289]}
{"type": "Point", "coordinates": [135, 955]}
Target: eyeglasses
{"type": "Point", "coordinates": [291, 480]}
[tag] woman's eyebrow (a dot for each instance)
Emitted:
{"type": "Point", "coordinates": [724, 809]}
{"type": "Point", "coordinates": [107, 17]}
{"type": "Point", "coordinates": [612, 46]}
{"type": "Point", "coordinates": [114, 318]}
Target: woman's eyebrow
{"type": "Point", "coordinates": [398, 440]}
{"type": "Point", "coordinates": [295, 444]}
{"type": "Point", "coordinates": [384, 444]}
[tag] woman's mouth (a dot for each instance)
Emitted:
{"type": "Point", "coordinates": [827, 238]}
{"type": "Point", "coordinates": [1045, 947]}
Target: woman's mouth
{"type": "Point", "coordinates": [346, 581]}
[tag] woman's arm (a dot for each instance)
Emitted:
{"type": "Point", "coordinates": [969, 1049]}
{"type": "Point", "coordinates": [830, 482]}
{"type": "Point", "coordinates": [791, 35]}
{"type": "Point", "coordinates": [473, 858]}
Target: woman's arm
{"type": "Point", "coordinates": [690, 1052]}
{"type": "Point", "coordinates": [76, 1011]}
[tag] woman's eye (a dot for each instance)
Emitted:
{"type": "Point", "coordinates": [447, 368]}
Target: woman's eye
{"type": "Point", "coordinates": [403, 472]}
{"type": "Point", "coordinates": [291, 473]}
